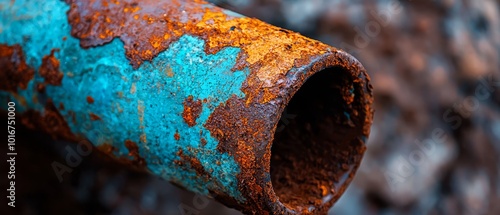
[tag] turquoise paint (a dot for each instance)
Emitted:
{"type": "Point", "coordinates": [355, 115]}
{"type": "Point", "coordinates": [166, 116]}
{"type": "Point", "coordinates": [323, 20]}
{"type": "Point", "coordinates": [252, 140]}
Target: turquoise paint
{"type": "Point", "coordinates": [105, 74]}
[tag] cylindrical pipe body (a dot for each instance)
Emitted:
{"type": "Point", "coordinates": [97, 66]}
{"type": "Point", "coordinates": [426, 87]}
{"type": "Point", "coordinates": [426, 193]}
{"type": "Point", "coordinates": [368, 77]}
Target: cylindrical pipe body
{"type": "Point", "coordinates": [193, 93]}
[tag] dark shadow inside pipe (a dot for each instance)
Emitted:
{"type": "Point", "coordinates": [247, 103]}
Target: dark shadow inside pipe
{"type": "Point", "coordinates": [317, 140]}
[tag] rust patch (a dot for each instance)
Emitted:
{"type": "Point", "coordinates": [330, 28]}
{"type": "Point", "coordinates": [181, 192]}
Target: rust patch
{"type": "Point", "coordinates": [90, 100]}
{"type": "Point", "coordinates": [15, 72]}
{"type": "Point", "coordinates": [238, 140]}
{"type": "Point", "coordinates": [49, 121]}
{"type": "Point", "coordinates": [239, 123]}
{"type": "Point", "coordinates": [203, 142]}
{"type": "Point", "coordinates": [166, 21]}
{"type": "Point", "coordinates": [94, 117]}
{"type": "Point", "coordinates": [177, 136]}
{"type": "Point", "coordinates": [237, 127]}
{"type": "Point", "coordinates": [50, 69]}
{"type": "Point", "coordinates": [192, 110]}
{"type": "Point", "coordinates": [193, 162]}
{"type": "Point", "coordinates": [61, 106]}
{"type": "Point", "coordinates": [133, 150]}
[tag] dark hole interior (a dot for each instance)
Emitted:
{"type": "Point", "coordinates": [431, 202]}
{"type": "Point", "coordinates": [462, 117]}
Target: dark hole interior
{"type": "Point", "coordinates": [315, 142]}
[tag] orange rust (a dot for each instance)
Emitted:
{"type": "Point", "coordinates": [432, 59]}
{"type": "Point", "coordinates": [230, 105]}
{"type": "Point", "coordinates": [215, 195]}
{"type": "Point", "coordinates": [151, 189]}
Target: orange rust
{"type": "Point", "coordinates": [133, 150]}
{"type": "Point", "coordinates": [192, 110]}
{"type": "Point", "coordinates": [221, 126]}
{"type": "Point", "coordinates": [50, 69]}
{"type": "Point", "coordinates": [267, 60]}
{"type": "Point", "coordinates": [90, 100]}
{"type": "Point", "coordinates": [235, 125]}
{"type": "Point", "coordinates": [270, 54]}
{"type": "Point", "coordinates": [177, 136]}
{"type": "Point", "coordinates": [16, 73]}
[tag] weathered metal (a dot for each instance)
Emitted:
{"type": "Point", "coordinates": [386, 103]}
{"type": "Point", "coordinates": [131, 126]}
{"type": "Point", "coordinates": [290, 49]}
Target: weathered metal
{"type": "Point", "coordinates": [194, 94]}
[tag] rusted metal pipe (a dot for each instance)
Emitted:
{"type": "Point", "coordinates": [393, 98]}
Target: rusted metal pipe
{"type": "Point", "coordinates": [194, 94]}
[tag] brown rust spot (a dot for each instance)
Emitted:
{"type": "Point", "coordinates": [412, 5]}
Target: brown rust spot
{"type": "Point", "coordinates": [193, 162]}
{"type": "Point", "coordinates": [40, 87]}
{"type": "Point", "coordinates": [90, 100]}
{"type": "Point", "coordinates": [133, 150]}
{"type": "Point", "coordinates": [94, 117]}
{"type": "Point", "coordinates": [50, 69]}
{"type": "Point", "coordinates": [49, 121]}
{"type": "Point", "coordinates": [61, 106]}
{"type": "Point", "coordinates": [192, 110]}
{"type": "Point", "coordinates": [15, 72]}
{"type": "Point", "coordinates": [203, 142]}
{"type": "Point", "coordinates": [177, 136]}
{"type": "Point", "coordinates": [108, 149]}
{"type": "Point", "coordinates": [239, 140]}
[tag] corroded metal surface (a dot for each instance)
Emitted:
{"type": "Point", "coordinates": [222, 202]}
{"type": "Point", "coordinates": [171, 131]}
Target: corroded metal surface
{"type": "Point", "coordinates": [194, 94]}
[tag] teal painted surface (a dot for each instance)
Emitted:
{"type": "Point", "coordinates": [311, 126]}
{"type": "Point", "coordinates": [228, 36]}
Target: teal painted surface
{"type": "Point", "coordinates": [153, 109]}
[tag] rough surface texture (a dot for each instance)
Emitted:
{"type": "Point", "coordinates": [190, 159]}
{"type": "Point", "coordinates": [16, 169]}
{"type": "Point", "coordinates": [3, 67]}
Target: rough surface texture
{"type": "Point", "coordinates": [193, 93]}
{"type": "Point", "coordinates": [15, 72]}
{"type": "Point", "coordinates": [50, 69]}
{"type": "Point", "coordinates": [435, 67]}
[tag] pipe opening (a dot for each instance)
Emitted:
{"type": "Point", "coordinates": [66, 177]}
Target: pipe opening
{"type": "Point", "coordinates": [317, 141]}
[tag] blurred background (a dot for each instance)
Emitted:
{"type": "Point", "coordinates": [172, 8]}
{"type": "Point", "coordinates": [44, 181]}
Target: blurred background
{"type": "Point", "coordinates": [435, 141]}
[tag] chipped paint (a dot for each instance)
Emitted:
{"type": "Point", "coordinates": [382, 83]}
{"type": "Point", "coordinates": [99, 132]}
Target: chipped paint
{"type": "Point", "coordinates": [187, 90]}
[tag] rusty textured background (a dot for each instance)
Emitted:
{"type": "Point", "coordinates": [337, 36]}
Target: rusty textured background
{"type": "Point", "coordinates": [192, 93]}
{"type": "Point", "coordinates": [427, 64]}
{"type": "Point", "coordinates": [431, 63]}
